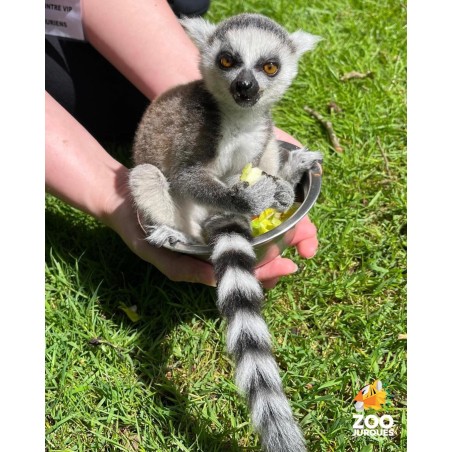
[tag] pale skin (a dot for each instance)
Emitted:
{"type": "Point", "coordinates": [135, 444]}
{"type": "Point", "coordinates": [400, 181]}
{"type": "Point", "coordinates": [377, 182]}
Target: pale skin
{"type": "Point", "coordinates": [144, 40]}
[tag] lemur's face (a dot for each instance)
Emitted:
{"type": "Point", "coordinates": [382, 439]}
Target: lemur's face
{"type": "Point", "coordinates": [249, 67]}
{"type": "Point", "coordinates": [248, 60]}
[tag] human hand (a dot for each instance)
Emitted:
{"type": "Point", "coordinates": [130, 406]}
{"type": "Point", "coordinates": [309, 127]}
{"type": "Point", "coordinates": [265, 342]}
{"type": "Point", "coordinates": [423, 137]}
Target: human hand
{"type": "Point", "coordinates": [180, 267]}
{"type": "Point", "coordinates": [305, 240]}
{"type": "Point", "coordinates": [120, 214]}
{"type": "Point", "coordinates": [122, 218]}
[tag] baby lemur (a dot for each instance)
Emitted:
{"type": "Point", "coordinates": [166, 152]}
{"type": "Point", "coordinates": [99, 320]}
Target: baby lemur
{"type": "Point", "coordinates": [189, 151]}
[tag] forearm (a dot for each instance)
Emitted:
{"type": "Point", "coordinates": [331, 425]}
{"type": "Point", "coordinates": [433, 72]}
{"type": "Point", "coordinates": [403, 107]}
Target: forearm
{"type": "Point", "coordinates": [143, 40]}
{"type": "Point", "coordinates": [78, 170]}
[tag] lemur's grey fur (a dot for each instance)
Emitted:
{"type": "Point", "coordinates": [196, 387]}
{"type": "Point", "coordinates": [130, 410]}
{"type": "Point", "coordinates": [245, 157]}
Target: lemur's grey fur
{"type": "Point", "coordinates": [189, 151]}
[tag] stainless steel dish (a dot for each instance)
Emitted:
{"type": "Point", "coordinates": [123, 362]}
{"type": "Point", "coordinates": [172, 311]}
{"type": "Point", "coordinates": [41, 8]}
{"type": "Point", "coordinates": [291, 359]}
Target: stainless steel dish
{"type": "Point", "coordinates": [269, 245]}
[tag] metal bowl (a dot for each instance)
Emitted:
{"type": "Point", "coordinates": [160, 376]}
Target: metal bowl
{"type": "Point", "coordinates": [271, 244]}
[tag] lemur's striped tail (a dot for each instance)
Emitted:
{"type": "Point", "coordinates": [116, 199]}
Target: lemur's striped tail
{"type": "Point", "coordinates": [240, 297]}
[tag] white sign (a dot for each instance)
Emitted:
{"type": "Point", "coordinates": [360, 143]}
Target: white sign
{"type": "Point", "coordinates": [64, 18]}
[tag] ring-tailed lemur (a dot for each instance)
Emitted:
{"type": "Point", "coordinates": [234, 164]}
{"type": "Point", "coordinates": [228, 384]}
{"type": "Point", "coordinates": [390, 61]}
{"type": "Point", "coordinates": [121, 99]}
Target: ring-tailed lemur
{"type": "Point", "coordinates": [189, 151]}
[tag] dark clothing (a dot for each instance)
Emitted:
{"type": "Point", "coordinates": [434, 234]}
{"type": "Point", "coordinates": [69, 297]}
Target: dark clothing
{"type": "Point", "coordinates": [92, 90]}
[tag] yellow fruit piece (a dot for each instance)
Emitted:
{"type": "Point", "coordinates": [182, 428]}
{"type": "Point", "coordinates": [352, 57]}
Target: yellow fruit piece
{"type": "Point", "coordinates": [266, 221]}
{"type": "Point", "coordinates": [250, 174]}
{"type": "Point", "coordinates": [270, 218]}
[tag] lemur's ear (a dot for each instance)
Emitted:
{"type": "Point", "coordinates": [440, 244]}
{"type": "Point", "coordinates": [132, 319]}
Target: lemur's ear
{"type": "Point", "coordinates": [198, 29]}
{"type": "Point", "coordinates": [304, 41]}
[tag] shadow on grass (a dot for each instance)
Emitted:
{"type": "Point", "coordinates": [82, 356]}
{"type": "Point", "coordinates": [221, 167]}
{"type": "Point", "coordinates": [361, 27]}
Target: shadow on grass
{"type": "Point", "coordinates": [119, 276]}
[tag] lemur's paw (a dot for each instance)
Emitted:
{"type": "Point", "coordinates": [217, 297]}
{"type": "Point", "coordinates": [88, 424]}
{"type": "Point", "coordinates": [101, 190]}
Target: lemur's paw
{"type": "Point", "coordinates": [302, 159]}
{"type": "Point", "coordinates": [251, 199]}
{"type": "Point", "coordinates": [298, 162]}
{"type": "Point", "coordinates": [159, 235]}
{"type": "Point", "coordinates": [284, 195]}
{"type": "Point", "coordinates": [258, 196]}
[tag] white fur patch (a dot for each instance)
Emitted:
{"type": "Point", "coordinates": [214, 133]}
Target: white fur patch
{"type": "Point", "coordinates": [237, 280]}
{"type": "Point", "coordinates": [253, 364]}
{"type": "Point", "coordinates": [304, 41]}
{"type": "Point", "coordinates": [242, 139]}
{"type": "Point", "coordinates": [254, 43]}
{"type": "Point", "coordinates": [189, 217]}
{"type": "Point", "coordinates": [150, 191]}
{"type": "Point", "coordinates": [229, 242]}
{"type": "Point", "coordinates": [161, 234]}
{"type": "Point", "coordinates": [250, 324]}
{"type": "Point", "coordinates": [299, 161]}
{"type": "Point", "coordinates": [198, 29]}
{"type": "Point", "coordinates": [267, 401]}
{"type": "Point", "coordinates": [303, 158]}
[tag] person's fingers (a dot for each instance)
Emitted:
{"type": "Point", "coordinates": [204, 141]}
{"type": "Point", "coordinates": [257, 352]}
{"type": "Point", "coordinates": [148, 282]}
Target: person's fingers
{"type": "Point", "coordinates": [270, 283]}
{"type": "Point", "coordinates": [305, 229]}
{"type": "Point", "coordinates": [308, 247]}
{"type": "Point", "coordinates": [276, 268]}
{"type": "Point", "coordinates": [189, 269]}
{"type": "Point", "coordinates": [305, 238]}
{"type": "Point", "coordinates": [177, 266]}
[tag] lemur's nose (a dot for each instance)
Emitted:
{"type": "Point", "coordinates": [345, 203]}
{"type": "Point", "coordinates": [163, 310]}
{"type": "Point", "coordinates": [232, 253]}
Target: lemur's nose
{"type": "Point", "coordinates": [243, 86]}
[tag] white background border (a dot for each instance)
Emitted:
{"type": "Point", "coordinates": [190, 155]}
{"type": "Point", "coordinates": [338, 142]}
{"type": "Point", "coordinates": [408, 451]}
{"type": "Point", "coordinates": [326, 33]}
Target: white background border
{"type": "Point", "coordinates": [429, 225]}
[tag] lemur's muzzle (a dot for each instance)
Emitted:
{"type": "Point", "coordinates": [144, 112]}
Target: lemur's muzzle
{"type": "Point", "coordinates": [245, 89]}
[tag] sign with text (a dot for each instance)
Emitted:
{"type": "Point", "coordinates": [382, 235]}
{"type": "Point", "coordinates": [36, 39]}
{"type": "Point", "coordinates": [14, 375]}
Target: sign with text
{"type": "Point", "coordinates": [64, 18]}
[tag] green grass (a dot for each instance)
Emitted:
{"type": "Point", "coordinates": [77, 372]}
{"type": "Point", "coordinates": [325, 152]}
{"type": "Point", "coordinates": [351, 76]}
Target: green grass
{"type": "Point", "coordinates": [165, 383]}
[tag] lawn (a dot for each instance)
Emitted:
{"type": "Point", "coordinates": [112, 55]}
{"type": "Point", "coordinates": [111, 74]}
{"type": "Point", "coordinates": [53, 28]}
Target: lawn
{"type": "Point", "coordinates": [164, 382]}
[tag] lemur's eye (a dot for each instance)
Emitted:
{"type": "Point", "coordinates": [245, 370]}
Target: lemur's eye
{"type": "Point", "coordinates": [270, 68]}
{"type": "Point", "coordinates": [226, 61]}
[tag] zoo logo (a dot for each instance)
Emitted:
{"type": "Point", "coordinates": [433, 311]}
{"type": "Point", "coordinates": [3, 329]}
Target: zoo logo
{"type": "Point", "coordinates": [372, 396]}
